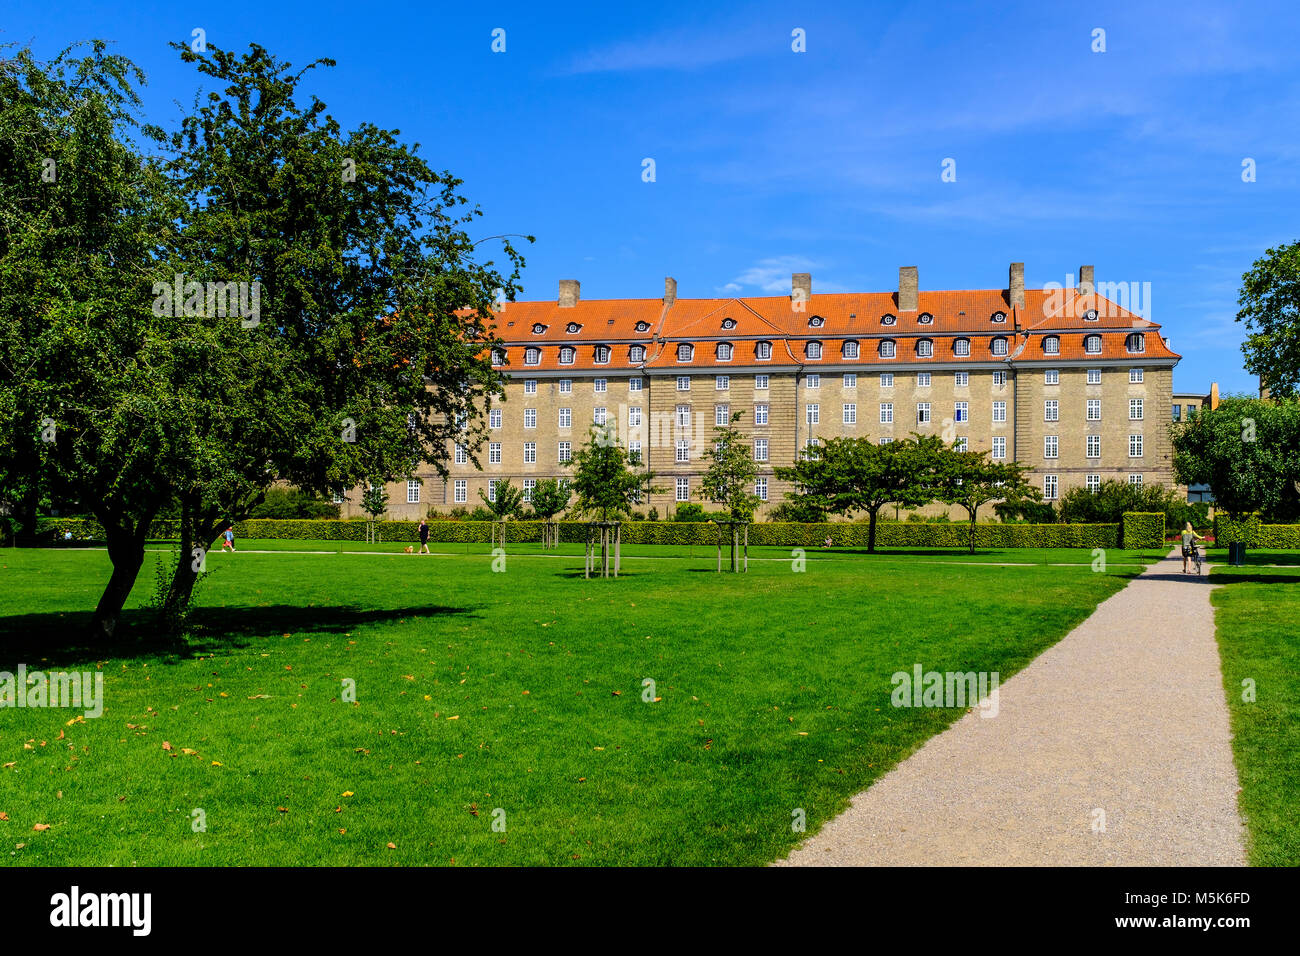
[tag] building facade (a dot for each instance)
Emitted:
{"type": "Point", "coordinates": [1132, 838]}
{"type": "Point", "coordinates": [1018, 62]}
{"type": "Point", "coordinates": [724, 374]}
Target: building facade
{"type": "Point", "coordinates": [1066, 381]}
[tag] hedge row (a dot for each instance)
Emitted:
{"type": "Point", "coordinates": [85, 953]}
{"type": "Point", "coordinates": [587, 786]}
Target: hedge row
{"type": "Point", "coordinates": [1254, 534]}
{"type": "Point", "coordinates": [1144, 529]}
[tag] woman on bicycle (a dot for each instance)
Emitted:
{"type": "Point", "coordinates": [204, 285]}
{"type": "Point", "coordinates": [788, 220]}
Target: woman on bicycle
{"type": "Point", "coordinates": [1190, 538]}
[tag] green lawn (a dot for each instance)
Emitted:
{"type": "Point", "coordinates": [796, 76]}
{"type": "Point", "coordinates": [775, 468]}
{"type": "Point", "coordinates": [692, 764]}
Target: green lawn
{"type": "Point", "coordinates": [1257, 613]}
{"type": "Point", "coordinates": [520, 690]}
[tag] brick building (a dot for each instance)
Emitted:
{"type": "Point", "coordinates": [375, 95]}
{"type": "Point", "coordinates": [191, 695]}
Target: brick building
{"type": "Point", "coordinates": [1067, 381]}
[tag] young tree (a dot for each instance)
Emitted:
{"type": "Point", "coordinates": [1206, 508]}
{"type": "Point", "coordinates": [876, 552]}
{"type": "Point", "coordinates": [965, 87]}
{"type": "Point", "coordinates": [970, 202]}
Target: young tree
{"type": "Point", "coordinates": [550, 497]}
{"type": "Point", "coordinates": [970, 479]}
{"type": "Point", "coordinates": [730, 478]}
{"type": "Point", "coordinates": [1270, 308]}
{"type": "Point", "coordinates": [849, 475]}
{"type": "Point", "coordinates": [509, 501]}
{"type": "Point", "coordinates": [605, 479]}
{"type": "Point", "coordinates": [374, 501]}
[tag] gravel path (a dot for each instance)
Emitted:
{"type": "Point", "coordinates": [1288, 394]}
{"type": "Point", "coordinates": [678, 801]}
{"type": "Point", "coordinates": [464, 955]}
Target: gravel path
{"type": "Point", "coordinates": [1125, 715]}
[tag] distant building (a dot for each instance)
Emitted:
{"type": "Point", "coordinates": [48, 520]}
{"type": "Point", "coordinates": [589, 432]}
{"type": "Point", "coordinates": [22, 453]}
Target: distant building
{"type": "Point", "coordinates": [1184, 407]}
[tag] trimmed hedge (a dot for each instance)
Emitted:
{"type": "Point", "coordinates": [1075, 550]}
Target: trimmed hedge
{"type": "Point", "coordinates": [1255, 534]}
{"type": "Point", "coordinates": [1144, 529]}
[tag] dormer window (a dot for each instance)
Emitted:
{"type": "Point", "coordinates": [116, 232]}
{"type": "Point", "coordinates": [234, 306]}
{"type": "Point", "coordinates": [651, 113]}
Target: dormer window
{"type": "Point", "coordinates": [538, 328]}
{"type": "Point", "coordinates": [572, 327]}
{"type": "Point", "coordinates": [643, 326]}
{"type": "Point", "coordinates": [816, 322]}
{"type": "Point", "coordinates": [532, 355]}
{"type": "Point", "coordinates": [1092, 344]}
{"type": "Point", "coordinates": [684, 352]}
{"type": "Point", "coordinates": [602, 354]}
{"type": "Point", "coordinates": [813, 350]}
{"type": "Point", "coordinates": [961, 347]}
{"type": "Point", "coordinates": [724, 352]}
{"type": "Point", "coordinates": [999, 346]}
{"type": "Point", "coordinates": [763, 351]}
{"type": "Point", "coordinates": [636, 353]}
{"type": "Point", "coordinates": [567, 354]}
{"type": "Point", "coordinates": [1135, 342]}
{"type": "Point", "coordinates": [924, 348]}
{"type": "Point", "coordinates": [888, 319]}
{"type": "Point", "coordinates": [1090, 315]}
{"type": "Point", "coordinates": [998, 317]}
{"type": "Point", "coordinates": [850, 350]}
{"type": "Point", "coordinates": [887, 348]}
{"type": "Point", "coordinates": [1052, 345]}
{"type": "Point", "coordinates": [728, 323]}
{"type": "Point", "coordinates": [925, 318]}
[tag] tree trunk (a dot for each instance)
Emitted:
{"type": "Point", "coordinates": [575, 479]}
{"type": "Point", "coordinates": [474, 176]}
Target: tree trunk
{"type": "Point", "coordinates": [871, 531]}
{"type": "Point", "coordinates": [197, 531]}
{"type": "Point", "coordinates": [972, 530]}
{"type": "Point", "coordinates": [126, 551]}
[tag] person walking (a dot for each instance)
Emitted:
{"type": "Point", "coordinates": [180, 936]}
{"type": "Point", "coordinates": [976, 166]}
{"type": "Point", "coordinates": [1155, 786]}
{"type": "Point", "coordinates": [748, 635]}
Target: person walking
{"type": "Point", "coordinates": [1190, 537]}
{"type": "Point", "coordinates": [228, 539]}
{"type": "Point", "coordinates": [424, 536]}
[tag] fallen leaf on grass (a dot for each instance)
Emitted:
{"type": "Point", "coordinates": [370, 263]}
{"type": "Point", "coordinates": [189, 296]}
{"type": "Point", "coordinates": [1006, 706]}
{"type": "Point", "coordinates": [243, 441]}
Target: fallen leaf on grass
{"type": "Point", "coordinates": [283, 809]}
{"type": "Point", "coordinates": [41, 826]}
{"type": "Point", "coordinates": [347, 793]}
{"type": "Point", "coordinates": [167, 745]}
{"type": "Point", "coordinates": [3, 816]}
{"type": "Point", "coordinates": [217, 763]}
{"type": "Point", "coordinates": [260, 697]}
{"type": "Point", "coordinates": [187, 751]}
{"type": "Point", "coordinates": [457, 717]}
{"type": "Point", "coordinates": [12, 763]}
{"type": "Point", "coordinates": [392, 846]}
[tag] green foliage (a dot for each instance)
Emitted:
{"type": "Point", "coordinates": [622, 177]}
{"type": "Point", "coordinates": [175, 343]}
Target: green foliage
{"type": "Point", "coordinates": [1143, 530]}
{"type": "Point", "coordinates": [798, 509]}
{"type": "Point", "coordinates": [374, 501]}
{"type": "Point", "coordinates": [1255, 534]}
{"type": "Point", "coordinates": [729, 479]}
{"type": "Point", "coordinates": [1113, 497]}
{"type": "Point", "coordinates": [1026, 510]}
{"type": "Point", "coordinates": [550, 497]}
{"type": "Point", "coordinates": [690, 511]}
{"type": "Point", "coordinates": [606, 482]}
{"type": "Point", "coordinates": [1270, 308]}
{"type": "Point", "coordinates": [509, 501]}
{"type": "Point", "coordinates": [969, 479]}
{"type": "Point", "coordinates": [289, 503]}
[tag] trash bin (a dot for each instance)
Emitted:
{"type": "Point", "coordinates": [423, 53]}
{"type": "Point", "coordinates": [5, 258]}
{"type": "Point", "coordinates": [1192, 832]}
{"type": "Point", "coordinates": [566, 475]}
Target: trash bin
{"type": "Point", "coordinates": [1237, 553]}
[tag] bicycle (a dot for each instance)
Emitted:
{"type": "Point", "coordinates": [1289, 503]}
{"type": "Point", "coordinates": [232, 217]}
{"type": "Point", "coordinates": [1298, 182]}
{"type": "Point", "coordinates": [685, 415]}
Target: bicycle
{"type": "Point", "coordinates": [1196, 558]}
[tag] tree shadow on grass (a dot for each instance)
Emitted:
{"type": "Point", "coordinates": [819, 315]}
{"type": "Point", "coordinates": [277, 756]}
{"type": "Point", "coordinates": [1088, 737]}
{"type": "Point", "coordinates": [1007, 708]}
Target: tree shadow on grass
{"type": "Point", "coordinates": [59, 640]}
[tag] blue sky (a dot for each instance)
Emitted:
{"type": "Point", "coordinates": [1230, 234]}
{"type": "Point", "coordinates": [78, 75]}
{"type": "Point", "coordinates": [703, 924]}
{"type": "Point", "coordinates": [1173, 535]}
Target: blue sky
{"type": "Point", "coordinates": [769, 161]}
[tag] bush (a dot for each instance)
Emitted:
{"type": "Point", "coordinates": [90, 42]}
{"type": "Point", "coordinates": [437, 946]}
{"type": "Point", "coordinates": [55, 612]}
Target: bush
{"type": "Point", "coordinates": [287, 503]}
{"type": "Point", "coordinates": [797, 510]}
{"type": "Point", "coordinates": [1255, 534]}
{"type": "Point", "coordinates": [1027, 510]}
{"type": "Point", "coordinates": [1143, 529]}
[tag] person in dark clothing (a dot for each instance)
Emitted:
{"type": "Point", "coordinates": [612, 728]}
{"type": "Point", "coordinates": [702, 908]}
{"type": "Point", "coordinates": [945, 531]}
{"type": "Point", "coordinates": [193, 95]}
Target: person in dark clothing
{"type": "Point", "coordinates": [424, 536]}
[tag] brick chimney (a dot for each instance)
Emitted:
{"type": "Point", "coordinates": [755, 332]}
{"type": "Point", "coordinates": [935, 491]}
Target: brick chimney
{"type": "Point", "coordinates": [1086, 286]}
{"type": "Point", "coordinates": [670, 290]}
{"type": "Point", "coordinates": [800, 286]}
{"type": "Point", "coordinates": [1016, 285]}
{"type": "Point", "coordinates": [907, 286]}
{"type": "Point", "coordinates": [568, 293]}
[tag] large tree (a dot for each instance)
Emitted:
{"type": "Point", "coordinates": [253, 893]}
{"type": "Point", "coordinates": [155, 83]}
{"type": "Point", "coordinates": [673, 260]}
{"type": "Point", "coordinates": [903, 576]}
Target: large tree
{"type": "Point", "coordinates": [850, 475]}
{"type": "Point", "coordinates": [1270, 308]}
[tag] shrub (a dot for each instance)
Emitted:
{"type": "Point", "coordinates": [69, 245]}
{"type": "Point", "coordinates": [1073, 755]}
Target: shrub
{"type": "Point", "coordinates": [293, 503]}
{"type": "Point", "coordinates": [1027, 510]}
{"type": "Point", "coordinates": [797, 510]}
{"type": "Point", "coordinates": [1255, 534]}
{"type": "Point", "coordinates": [1144, 529]}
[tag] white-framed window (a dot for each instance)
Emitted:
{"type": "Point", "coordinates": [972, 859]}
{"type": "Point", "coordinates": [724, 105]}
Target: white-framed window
{"type": "Point", "coordinates": [760, 414]}
{"type": "Point", "coordinates": [961, 379]}
{"type": "Point", "coordinates": [530, 453]}
{"type": "Point", "coordinates": [810, 449]}
{"type": "Point", "coordinates": [1135, 409]}
{"type": "Point", "coordinates": [760, 488]}
{"type": "Point", "coordinates": [850, 350]}
{"type": "Point", "coordinates": [1135, 446]}
{"type": "Point", "coordinates": [999, 446]}
{"type": "Point", "coordinates": [530, 386]}
{"type": "Point", "coordinates": [683, 489]}
{"type": "Point", "coordinates": [634, 384]}
{"type": "Point", "coordinates": [684, 352]}
{"type": "Point", "coordinates": [1092, 482]}
{"type": "Point", "coordinates": [850, 414]}
{"type": "Point", "coordinates": [999, 346]}
{"type": "Point", "coordinates": [683, 416]}
{"type": "Point", "coordinates": [601, 354]}
{"type": "Point", "coordinates": [887, 349]}
{"type": "Point", "coordinates": [460, 491]}
{"type": "Point", "coordinates": [1052, 376]}
{"type": "Point", "coordinates": [923, 413]}
{"type": "Point", "coordinates": [922, 379]}
{"type": "Point", "coordinates": [494, 418]}
{"type": "Point", "coordinates": [886, 379]}
{"type": "Point", "coordinates": [763, 351]}
{"type": "Point", "coordinates": [566, 386]}
{"type": "Point", "coordinates": [633, 416]}
{"type": "Point", "coordinates": [1051, 410]}
{"type": "Point", "coordinates": [683, 449]}
{"type": "Point", "coordinates": [634, 452]}
{"type": "Point", "coordinates": [850, 380]}
{"type": "Point", "coordinates": [1050, 446]}
{"type": "Point", "coordinates": [1135, 376]}
{"type": "Point", "coordinates": [494, 453]}
{"type": "Point", "coordinates": [462, 456]}
{"type": "Point", "coordinates": [533, 356]}
{"type": "Point", "coordinates": [886, 413]}
{"type": "Point", "coordinates": [1049, 487]}
{"type": "Point", "coordinates": [760, 449]}
{"type": "Point", "coordinates": [492, 489]}
{"type": "Point", "coordinates": [683, 383]}
{"type": "Point", "coordinates": [1051, 345]}
{"type": "Point", "coordinates": [567, 354]}
{"type": "Point", "coordinates": [338, 499]}
{"type": "Point", "coordinates": [600, 385]}
{"type": "Point", "coordinates": [1094, 446]}
{"type": "Point", "coordinates": [886, 440]}
{"type": "Point", "coordinates": [812, 414]}
{"type": "Point", "coordinates": [999, 379]}
{"type": "Point", "coordinates": [961, 444]}
{"type": "Point", "coordinates": [722, 414]}
{"type": "Point", "coordinates": [961, 347]}
{"type": "Point", "coordinates": [530, 418]}
{"type": "Point", "coordinates": [813, 351]}
{"type": "Point", "coordinates": [1094, 409]}
{"type": "Point", "coordinates": [999, 411]}
{"type": "Point", "coordinates": [760, 383]}
{"type": "Point", "coordinates": [530, 485]}
{"type": "Point", "coordinates": [721, 383]}
{"type": "Point", "coordinates": [636, 354]}
{"type": "Point", "coordinates": [412, 491]}
{"type": "Point", "coordinates": [812, 381]}
{"type": "Point", "coordinates": [925, 348]}
{"type": "Point", "coordinates": [724, 351]}
{"type": "Point", "coordinates": [1092, 344]}
{"type": "Point", "coordinates": [565, 452]}
{"type": "Point", "coordinates": [1135, 479]}
{"type": "Point", "coordinates": [566, 418]}
{"type": "Point", "coordinates": [1094, 376]}
{"type": "Point", "coordinates": [598, 415]}
{"type": "Point", "coordinates": [961, 412]}
{"type": "Point", "coordinates": [1135, 342]}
